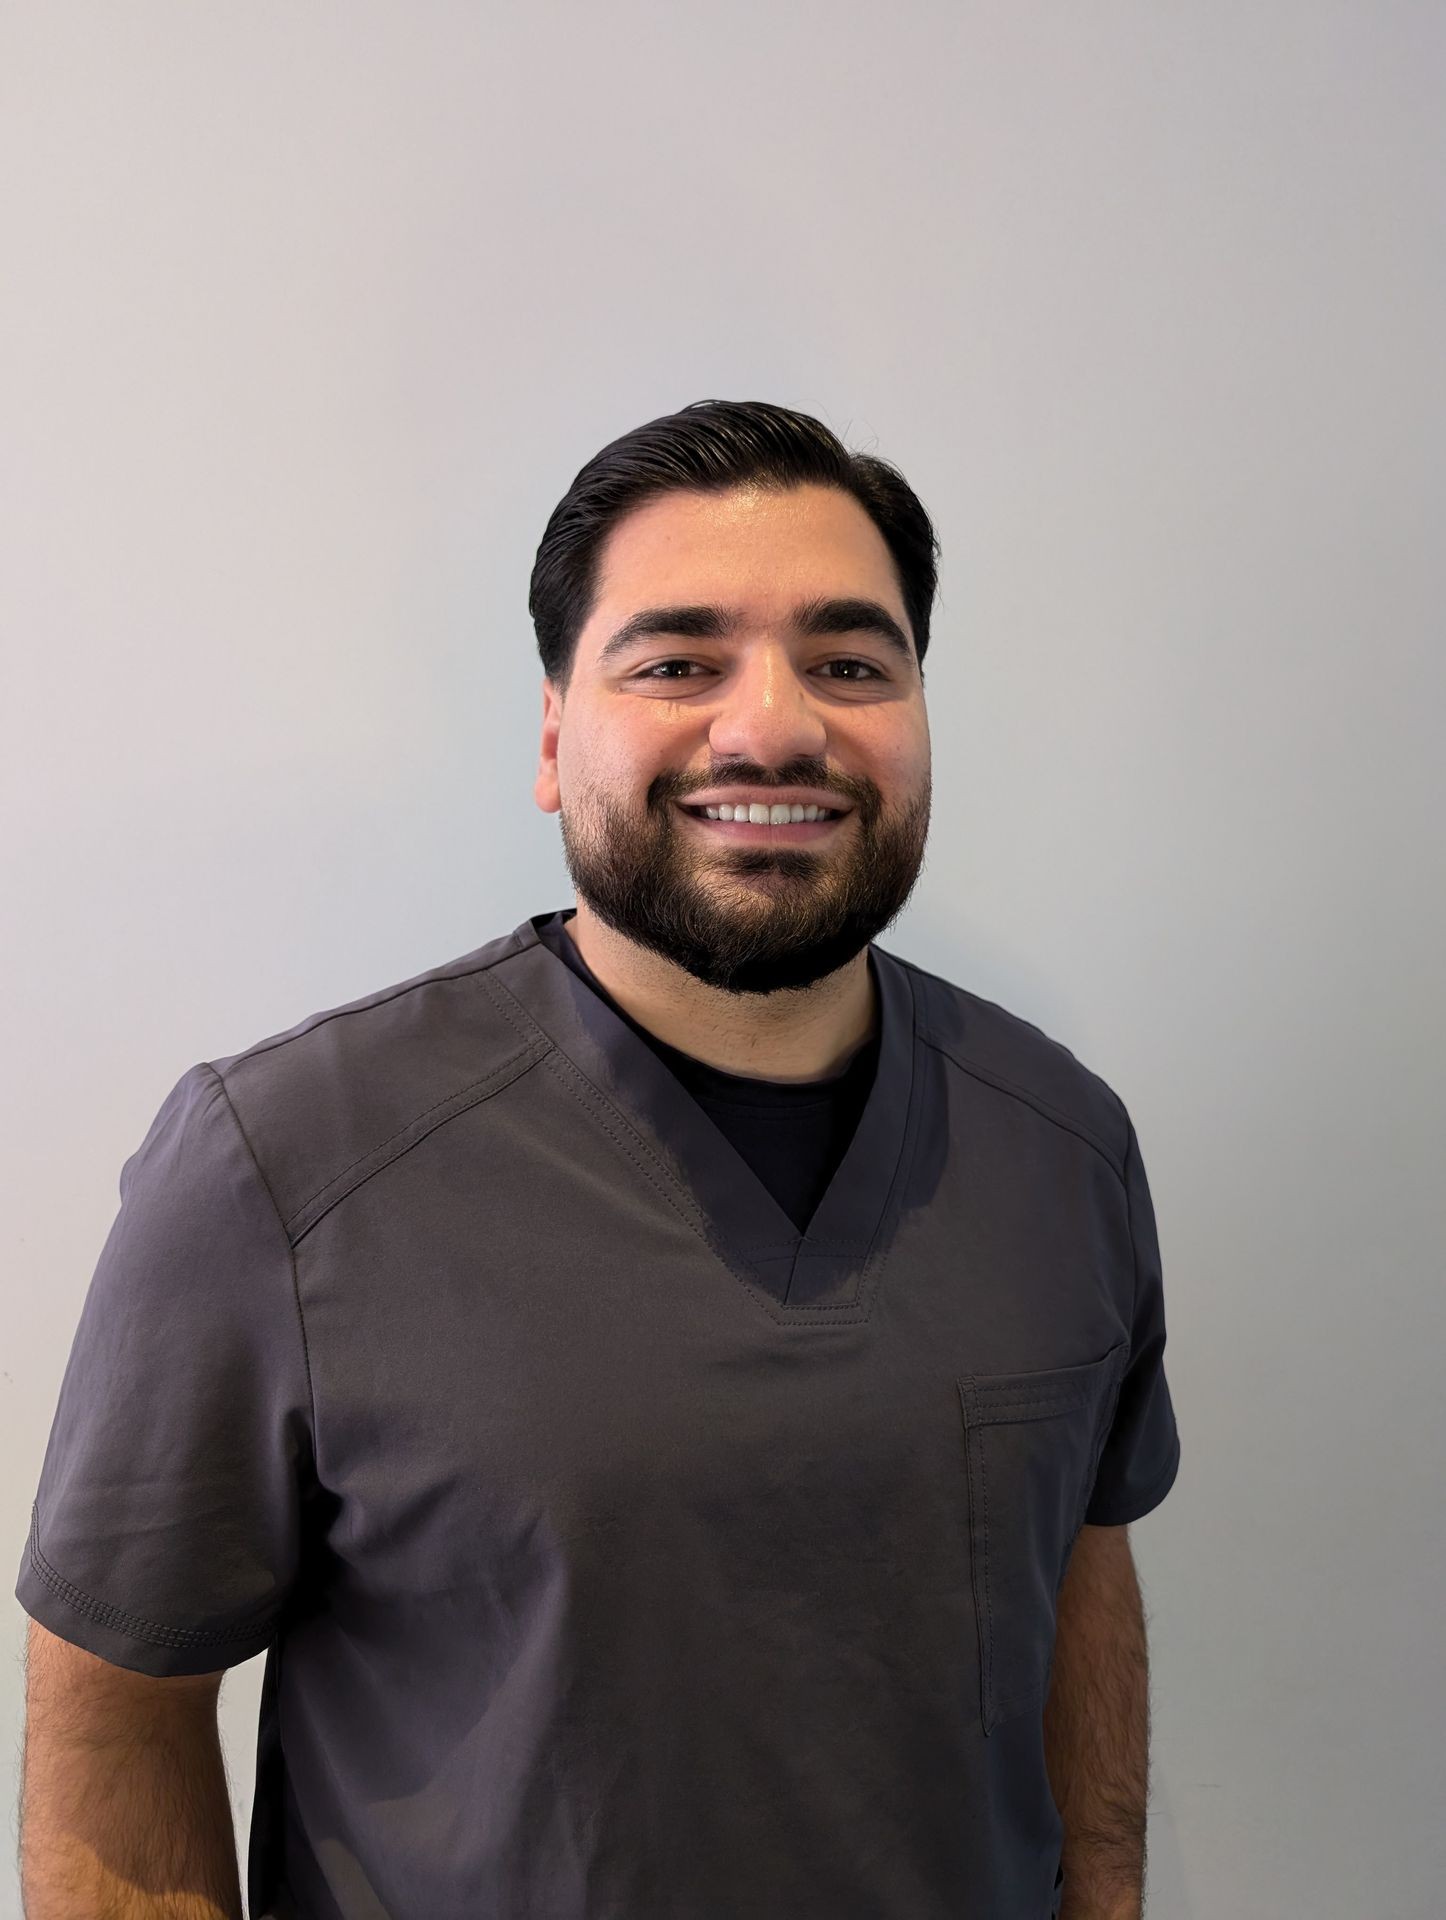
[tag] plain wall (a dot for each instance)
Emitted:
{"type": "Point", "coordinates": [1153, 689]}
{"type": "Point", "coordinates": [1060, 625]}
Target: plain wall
{"type": "Point", "coordinates": [310, 315]}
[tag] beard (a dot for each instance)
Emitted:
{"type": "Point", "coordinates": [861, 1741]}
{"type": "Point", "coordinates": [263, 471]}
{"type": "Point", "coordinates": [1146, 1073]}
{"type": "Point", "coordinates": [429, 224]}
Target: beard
{"type": "Point", "coordinates": [746, 919]}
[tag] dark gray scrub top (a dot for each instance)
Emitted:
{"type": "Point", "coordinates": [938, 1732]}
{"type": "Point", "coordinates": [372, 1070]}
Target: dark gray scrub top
{"type": "Point", "coordinates": [618, 1551]}
{"type": "Point", "coordinates": [792, 1136]}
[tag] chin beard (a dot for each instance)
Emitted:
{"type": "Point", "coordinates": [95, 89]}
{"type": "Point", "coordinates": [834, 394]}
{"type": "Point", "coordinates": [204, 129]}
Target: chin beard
{"type": "Point", "coordinates": [804, 922]}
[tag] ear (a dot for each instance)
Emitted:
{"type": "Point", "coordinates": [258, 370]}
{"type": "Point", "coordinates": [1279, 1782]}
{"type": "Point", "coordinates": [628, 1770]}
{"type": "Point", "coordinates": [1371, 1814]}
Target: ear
{"type": "Point", "coordinates": [546, 790]}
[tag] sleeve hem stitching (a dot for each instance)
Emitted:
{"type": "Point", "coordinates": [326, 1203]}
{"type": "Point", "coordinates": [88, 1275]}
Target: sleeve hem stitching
{"type": "Point", "coordinates": [120, 1622]}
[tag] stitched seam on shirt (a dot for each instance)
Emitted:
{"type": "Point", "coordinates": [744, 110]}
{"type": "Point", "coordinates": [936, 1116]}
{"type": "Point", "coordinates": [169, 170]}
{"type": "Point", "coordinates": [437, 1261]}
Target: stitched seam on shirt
{"type": "Point", "coordinates": [721, 1250]}
{"type": "Point", "coordinates": [997, 1412]}
{"type": "Point", "coordinates": [622, 1133]}
{"type": "Point", "coordinates": [982, 1454]}
{"type": "Point", "coordinates": [379, 1160]}
{"type": "Point", "coordinates": [1030, 1099]}
{"type": "Point", "coordinates": [602, 1108]}
{"type": "Point", "coordinates": [565, 1067]}
{"type": "Point", "coordinates": [651, 1169]}
{"type": "Point", "coordinates": [290, 1255]}
{"type": "Point", "coordinates": [434, 979]}
{"type": "Point", "coordinates": [458, 1093]}
{"type": "Point", "coordinates": [618, 1130]}
{"type": "Point", "coordinates": [665, 1189]}
{"type": "Point", "coordinates": [120, 1622]}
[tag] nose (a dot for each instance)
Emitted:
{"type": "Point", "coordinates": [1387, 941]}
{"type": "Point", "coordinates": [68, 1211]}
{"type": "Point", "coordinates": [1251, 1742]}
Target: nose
{"type": "Point", "coordinates": [767, 713]}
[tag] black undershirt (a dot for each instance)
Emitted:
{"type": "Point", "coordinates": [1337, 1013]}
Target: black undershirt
{"type": "Point", "coordinates": [792, 1136]}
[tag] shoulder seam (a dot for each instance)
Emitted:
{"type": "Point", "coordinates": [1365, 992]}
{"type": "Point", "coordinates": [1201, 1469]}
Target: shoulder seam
{"type": "Point", "coordinates": [404, 1138]}
{"type": "Point", "coordinates": [1030, 1099]}
{"type": "Point", "coordinates": [290, 1250]}
{"type": "Point", "coordinates": [401, 1140]}
{"type": "Point", "coordinates": [436, 977]}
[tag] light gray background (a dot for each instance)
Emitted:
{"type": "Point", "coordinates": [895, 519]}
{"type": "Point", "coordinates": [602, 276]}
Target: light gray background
{"type": "Point", "coordinates": [311, 314]}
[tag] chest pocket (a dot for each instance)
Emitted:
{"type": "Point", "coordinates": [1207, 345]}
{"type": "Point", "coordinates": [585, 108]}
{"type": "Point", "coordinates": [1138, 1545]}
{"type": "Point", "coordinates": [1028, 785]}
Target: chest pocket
{"type": "Point", "coordinates": [1032, 1443]}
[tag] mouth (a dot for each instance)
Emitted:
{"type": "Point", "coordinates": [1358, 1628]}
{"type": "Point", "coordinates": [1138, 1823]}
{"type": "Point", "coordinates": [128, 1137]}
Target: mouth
{"type": "Point", "coordinates": [764, 833]}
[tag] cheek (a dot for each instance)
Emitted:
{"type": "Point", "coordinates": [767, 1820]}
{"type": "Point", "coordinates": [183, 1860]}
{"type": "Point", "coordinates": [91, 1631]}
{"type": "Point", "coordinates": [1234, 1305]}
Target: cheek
{"type": "Point", "coordinates": [602, 763]}
{"type": "Point", "coordinates": [900, 766]}
{"type": "Point", "coordinates": [640, 749]}
{"type": "Point", "coordinates": [614, 782]}
{"type": "Point", "coordinates": [914, 754]}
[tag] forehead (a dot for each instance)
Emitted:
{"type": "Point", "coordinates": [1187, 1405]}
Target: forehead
{"type": "Point", "coordinates": [758, 549]}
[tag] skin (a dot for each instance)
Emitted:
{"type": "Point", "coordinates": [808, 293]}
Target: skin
{"type": "Point", "coordinates": [751, 958]}
{"type": "Point", "coordinates": [1097, 1728]}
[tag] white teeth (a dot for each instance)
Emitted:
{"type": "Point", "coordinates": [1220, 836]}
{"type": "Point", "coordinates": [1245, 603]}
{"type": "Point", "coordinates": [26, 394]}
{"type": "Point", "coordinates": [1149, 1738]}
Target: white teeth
{"type": "Point", "coordinates": [759, 815]}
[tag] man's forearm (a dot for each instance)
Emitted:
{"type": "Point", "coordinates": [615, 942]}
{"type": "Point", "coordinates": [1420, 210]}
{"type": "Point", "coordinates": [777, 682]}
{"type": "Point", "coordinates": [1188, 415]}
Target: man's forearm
{"type": "Point", "coordinates": [1096, 1729]}
{"type": "Point", "coordinates": [135, 1827]}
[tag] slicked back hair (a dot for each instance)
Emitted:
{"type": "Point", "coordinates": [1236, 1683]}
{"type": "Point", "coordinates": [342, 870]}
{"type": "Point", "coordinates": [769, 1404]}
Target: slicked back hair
{"type": "Point", "coordinates": [708, 447]}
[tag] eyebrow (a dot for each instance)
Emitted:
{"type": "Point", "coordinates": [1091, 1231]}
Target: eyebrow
{"type": "Point", "coordinates": [716, 623]}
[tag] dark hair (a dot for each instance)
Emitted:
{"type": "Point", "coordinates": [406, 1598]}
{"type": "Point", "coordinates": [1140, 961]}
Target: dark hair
{"type": "Point", "coordinates": [706, 448]}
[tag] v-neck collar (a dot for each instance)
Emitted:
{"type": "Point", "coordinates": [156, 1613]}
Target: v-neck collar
{"type": "Point", "coordinates": [832, 1269]}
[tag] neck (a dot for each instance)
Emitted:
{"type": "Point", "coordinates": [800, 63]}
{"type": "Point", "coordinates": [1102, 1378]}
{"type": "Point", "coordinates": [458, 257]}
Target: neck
{"type": "Point", "coordinates": [803, 1033]}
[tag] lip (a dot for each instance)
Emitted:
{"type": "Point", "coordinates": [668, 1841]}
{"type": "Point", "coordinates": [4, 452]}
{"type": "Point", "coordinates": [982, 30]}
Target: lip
{"type": "Point", "coordinates": [764, 833]}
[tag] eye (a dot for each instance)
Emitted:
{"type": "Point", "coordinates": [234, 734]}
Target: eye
{"type": "Point", "coordinates": [653, 673]}
{"type": "Point", "coordinates": [867, 665]}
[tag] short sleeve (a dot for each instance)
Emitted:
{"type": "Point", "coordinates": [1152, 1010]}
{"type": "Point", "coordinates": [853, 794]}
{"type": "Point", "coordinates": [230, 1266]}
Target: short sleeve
{"type": "Point", "coordinates": [165, 1529]}
{"type": "Point", "coordinates": [1141, 1454]}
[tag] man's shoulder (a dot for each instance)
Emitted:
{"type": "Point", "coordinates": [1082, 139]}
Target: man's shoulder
{"type": "Point", "coordinates": [1001, 1050]}
{"type": "Point", "coordinates": [329, 1100]}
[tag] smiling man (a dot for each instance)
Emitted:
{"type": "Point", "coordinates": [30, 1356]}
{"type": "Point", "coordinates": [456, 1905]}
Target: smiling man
{"type": "Point", "coordinates": [666, 1390]}
{"type": "Point", "coordinates": [743, 816]}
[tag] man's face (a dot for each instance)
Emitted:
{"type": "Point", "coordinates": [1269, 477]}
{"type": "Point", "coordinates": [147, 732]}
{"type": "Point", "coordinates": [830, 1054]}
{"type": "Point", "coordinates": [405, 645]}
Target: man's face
{"type": "Point", "coordinates": [681, 713]}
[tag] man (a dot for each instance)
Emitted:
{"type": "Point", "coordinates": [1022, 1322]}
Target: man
{"type": "Point", "coordinates": [667, 1390]}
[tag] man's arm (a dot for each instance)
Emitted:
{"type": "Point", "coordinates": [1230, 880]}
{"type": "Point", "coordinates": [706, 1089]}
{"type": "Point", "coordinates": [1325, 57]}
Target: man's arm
{"type": "Point", "coordinates": [125, 1813]}
{"type": "Point", "coordinates": [1096, 1729]}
